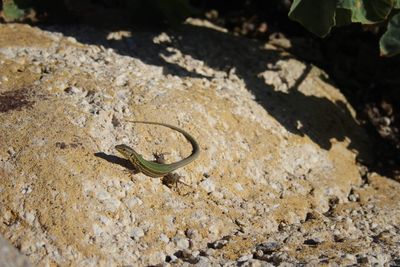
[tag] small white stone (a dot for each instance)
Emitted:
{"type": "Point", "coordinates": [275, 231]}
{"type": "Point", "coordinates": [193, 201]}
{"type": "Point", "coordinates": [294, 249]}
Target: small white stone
{"type": "Point", "coordinates": [11, 151]}
{"type": "Point", "coordinates": [26, 190]}
{"type": "Point", "coordinates": [208, 185]}
{"type": "Point", "coordinates": [82, 58]}
{"type": "Point", "coordinates": [238, 187]}
{"type": "Point", "coordinates": [164, 238]}
{"type": "Point", "coordinates": [97, 230]}
{"type": "Point", "coordinates": [192, 233]}
{"type": "Point", "coordinates": [30, 217]}
{"type": "Point", "coordinates": [203, 262]}
{"type": "Point", "coordinates": [105, 220]}
{"type": "Point", "coordinates": [181, 243]}
{"type": "Point", "coordinates": [245, 258]}
{"type": "Point", "coordinates": [112, 204]}
{"type": "Point", "coordinates": [103, 195]}
{"type": "Point", "coordinates": [137, 233]}
{"type": "Point", "coordinates": [71, 39]}
{"type": "Point", "coordinates": [156, 258]}
{"type": "Point", "coordinates": [214, 229]}
{"type": "Point", "coordinates": [38, 141]}
{"type": "Point", "coordinates": [195, 253]}
{"type": "Point", "coordinates": [350, 257]}
{"type": "Point", "coordinates": [133, 201]}
{"type": "Point", "coordinates": [173, 258]}
{"type": "Point", "coordinates": [373, 225]}
{"type": "Point", "coordinates": [121, 80]}
{"type": "Point", "coordinates": [73, 90]}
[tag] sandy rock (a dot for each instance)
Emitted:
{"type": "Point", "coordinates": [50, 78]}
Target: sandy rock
{"type": "Point", "coordinates": [278, 161]}
{"type": "Point", "coordinates": [11, 257]}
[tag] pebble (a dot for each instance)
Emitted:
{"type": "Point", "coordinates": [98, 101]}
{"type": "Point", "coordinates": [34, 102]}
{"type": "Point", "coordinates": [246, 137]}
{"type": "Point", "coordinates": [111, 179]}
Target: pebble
{"type": "Point", "coordinates": [181, 243]}
{"type": "Point", "coordinates": [137, 233]}
{"type": "Point", "coordinates": [269, 247]}
{"type": "Point", "coordinates": [172, 258]}
{"type": "Point", "coordinates": [192, 233]}
{"type": "Point", "coordinates": [208, 185]}
{"type": "Point", "coordinates": [350, 257]}
{"type": "Point", "coordinates": [121, 80]}
{"type": "Point", "coordinates": [133, 201]}
{"type": "Point", "coordinates": [164, 238]}
{"type": "Point", "coordinates": [238, 187]}
{"type": "Point", "coordinates": [245, 258]}
{"type": "Point", "coordinates": [72, 90]}
{"type": "Point", "coordinates": [156, 258]}
{"type": "Point", "coordinates": [354, 197]}
{"type": "Point", "coordinates": [218, 244]}
{"type": "Point", "coordinates": [30, 217]}
{"type": "Point", "coordinates": [112, 204]}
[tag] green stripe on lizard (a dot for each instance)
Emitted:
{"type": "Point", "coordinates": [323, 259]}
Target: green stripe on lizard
{"type": "Point", "coordinates": [154, 169]}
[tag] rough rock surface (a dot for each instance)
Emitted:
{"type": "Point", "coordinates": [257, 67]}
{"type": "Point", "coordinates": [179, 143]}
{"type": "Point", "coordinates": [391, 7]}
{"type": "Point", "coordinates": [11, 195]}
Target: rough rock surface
{"type": "Point", "coordinates": [276, 181]}
{"type": "Point", "coordinates": [10, 256]}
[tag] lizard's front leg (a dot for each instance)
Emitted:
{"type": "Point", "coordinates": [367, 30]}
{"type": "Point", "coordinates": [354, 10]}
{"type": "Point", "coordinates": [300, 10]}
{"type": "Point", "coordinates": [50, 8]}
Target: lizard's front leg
{"type": "Point", "coordinates": [160, 157]}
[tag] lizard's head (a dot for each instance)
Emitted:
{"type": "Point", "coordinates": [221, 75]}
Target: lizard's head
{"type": "Point", "coordinates": [125, 150]}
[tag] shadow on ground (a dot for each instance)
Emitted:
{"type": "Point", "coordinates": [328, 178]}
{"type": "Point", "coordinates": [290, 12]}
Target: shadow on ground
{"type": "Point", "coordinates": [321, 119]}
{"type": "Point", "coordinates": [117, 160]}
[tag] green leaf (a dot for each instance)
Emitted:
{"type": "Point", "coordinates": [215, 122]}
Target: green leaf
{"type": "Point", "coordinates": [396, 4]}
{"type": "Point", "coordinates": [390, 40]}
{"type": "Point", "coordinates": [368, 11]}
{"type": "Point", "coordinates": [342, 17]}
{"type": "Point", "coordinates": [318, 16]}
{"type": "Point", "coordinates": [11, 11]}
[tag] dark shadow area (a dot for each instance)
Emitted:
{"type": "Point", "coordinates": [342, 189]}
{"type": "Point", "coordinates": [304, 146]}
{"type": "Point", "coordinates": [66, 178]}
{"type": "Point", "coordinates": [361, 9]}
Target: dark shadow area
{"type": "Point", "coordinates": [14, 100]}
{"type": "Point", "coordinates": [306, 115]}
{"type": "Point", "coordinates": [116, 160]}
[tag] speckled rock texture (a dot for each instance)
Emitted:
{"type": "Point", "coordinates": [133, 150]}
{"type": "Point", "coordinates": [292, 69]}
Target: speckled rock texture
{"type": "Point", "coordinates": [10, 256]}
{"type": "Point", "coordinates": [276, 182]}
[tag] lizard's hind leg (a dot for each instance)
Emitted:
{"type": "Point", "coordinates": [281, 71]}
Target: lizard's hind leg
{"type": "Point", "coordinates": [172, 179]}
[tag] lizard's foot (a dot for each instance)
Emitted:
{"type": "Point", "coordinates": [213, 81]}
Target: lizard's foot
{"type": "Point", "coordinates": [160, 157]}
{"type": "Point", "coordinates": [173, 179]}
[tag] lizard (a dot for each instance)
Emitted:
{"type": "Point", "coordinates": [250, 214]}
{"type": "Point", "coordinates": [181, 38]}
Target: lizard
{"type": "Point", "coordinates": [155, 169]}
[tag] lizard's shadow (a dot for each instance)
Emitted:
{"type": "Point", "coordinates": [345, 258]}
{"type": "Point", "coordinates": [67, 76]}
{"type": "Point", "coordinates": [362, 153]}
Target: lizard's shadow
{"type": "Point", "coordinates": [117, 160]}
